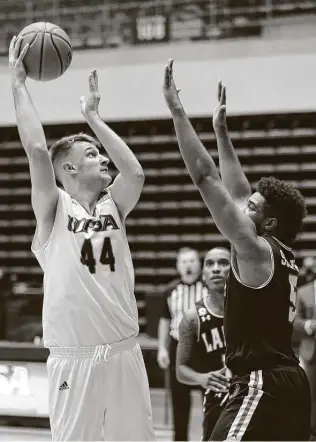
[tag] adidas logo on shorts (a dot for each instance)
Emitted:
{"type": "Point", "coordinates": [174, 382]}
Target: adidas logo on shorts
{"type": "Point", "coordinates": [64, 386]}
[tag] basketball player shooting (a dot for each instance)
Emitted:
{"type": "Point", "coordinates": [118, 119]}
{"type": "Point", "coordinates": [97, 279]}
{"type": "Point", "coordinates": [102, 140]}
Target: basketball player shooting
{"type": "Point", "coordinates": [269, 393]}
{"type": "Point", "coordinates": [201, 349]}
{"type": "Point", "coordinates": [98, 386]}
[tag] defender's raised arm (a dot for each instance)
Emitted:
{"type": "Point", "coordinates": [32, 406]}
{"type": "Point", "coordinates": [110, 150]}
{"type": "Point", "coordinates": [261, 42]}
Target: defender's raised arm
{"type": "Point", "coordinates": [230, 168]}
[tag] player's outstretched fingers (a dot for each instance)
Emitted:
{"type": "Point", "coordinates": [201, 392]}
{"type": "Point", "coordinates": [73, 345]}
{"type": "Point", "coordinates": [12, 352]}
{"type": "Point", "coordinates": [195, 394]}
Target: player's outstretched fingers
{"type": "Point", "coordinates": [216, 386]}
{"type": "Point", "coordinates": [23, 53]}
{"type": "Point", "coordinates": [11, 47]}
{"type": "Point", "coordinates": [219, 90]}
{"type": "Point", "coordinates": [17, 47]}
{"type": "Point", "coordinates": [223, 95]}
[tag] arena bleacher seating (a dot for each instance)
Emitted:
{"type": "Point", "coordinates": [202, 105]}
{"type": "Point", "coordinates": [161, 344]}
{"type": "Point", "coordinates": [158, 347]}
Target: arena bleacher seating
{"type": "Point", "coordinates": [170, 212]}
{"type": "Point", "coordinates": [115, 23]}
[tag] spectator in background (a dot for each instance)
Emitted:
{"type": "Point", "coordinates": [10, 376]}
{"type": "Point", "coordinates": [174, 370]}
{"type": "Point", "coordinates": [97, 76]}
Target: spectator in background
{"type": "Point", "coordinates": [304, 339]}
{"type": "Point", "coordinates": [180, 295]}
{"type": "Point", "coordinates": [307, 271]}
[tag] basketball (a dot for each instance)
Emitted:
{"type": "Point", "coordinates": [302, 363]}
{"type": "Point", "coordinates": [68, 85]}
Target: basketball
{"type": "Point", "coordinates": [50, 51]}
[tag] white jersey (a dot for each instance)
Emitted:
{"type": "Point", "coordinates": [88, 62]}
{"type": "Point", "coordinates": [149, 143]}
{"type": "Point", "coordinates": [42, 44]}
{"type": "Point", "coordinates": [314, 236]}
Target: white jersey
{"type": "Point", "coordinates": [88, 276]}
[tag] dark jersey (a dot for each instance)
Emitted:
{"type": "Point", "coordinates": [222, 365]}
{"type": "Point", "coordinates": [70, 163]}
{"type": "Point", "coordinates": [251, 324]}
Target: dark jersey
{"type": "Point", "coordinates": [209, 350]}
{"type": "Point", "coordinates": [259, 321]}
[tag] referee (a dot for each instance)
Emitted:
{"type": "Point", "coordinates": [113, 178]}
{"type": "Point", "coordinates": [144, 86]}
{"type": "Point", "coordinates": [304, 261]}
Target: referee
{"type": "Point", "coordinates": [180, 295]}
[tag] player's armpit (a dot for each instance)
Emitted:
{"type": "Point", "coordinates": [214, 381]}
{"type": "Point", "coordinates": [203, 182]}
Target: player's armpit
{"type": "Point", "coordinates": [126, 191]}
{"type": "Point", "coordinates": [44, 193]}
{"type": "Point", "coordinates": [230, 220]}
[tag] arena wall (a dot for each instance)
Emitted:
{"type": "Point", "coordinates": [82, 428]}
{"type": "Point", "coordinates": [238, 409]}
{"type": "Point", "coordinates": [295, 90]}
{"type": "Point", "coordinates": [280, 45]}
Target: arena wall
{"type": "Point", "coordinates": [267, 75]}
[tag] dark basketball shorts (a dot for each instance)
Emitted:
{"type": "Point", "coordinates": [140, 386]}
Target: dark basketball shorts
{"type": "Point", "coordinates": [213, 405]}
{"type": "Point", "coordinates": [266, 405]}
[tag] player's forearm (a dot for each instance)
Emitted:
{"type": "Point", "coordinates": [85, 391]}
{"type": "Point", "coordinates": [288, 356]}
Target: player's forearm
{"type": "Point", "coordinates": [187, 375]}
{"type": "Point", "coordinates": [231, 170]}
{"type": "Point", "coordinates": [121, 155]}
{"type": "Point", "coordinates": [197, 160]}
{"type": "Point", "coordinates": [299, 331]}
{"type": "Point", "coordinates": [163, 333]}
{"type": "Point", "coordinates": [29, 126]}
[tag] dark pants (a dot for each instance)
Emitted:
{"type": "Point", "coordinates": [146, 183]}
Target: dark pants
{"type": "Point", "coordinates": [311, 374]}
{"type": "Point", "coordinates": [266, 405]}
{"type": "Point", "coordinates": [181, 399]}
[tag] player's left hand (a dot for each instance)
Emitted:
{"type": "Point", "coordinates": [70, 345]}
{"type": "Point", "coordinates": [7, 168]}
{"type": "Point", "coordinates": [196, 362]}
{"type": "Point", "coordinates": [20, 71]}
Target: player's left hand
{"type": "Point", "coordinates": [90, 106]}
{"type": "Point", "coordinates": [171, 93]}
{"type": "Point", "coordinates": [218, 381]}
{"type": "Point", "coordinates": [219, 113]}
{"type": "Point", "coordinates": [16, 57]}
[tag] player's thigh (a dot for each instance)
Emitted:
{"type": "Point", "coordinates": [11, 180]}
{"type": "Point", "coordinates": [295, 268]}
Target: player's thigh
{"type": "Point", "coordinates": [128, 411]}
{"type": "Point", "coordinates": [259, 416]}
{"type": "Point", "coordinates": [75, 403]}
{"type": "Point", "coordinates": [210, 418]}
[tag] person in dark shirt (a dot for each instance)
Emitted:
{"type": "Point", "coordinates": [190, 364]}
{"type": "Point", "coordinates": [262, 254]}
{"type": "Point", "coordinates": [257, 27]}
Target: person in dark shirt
{"type": "Point", "coordinates": [269, 394]}
{"type": "Point", "coordinates": [201, 350]}
{"type": "Point", "coordinates": [179, 296]}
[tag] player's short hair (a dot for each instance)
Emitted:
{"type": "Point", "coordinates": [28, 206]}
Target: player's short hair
{"type": "Point", "coordinates": [223, 248]}
{"type": "Point", "coordinates": [61, 148]}
{"type": "Point", "coordinates": [286, 204]}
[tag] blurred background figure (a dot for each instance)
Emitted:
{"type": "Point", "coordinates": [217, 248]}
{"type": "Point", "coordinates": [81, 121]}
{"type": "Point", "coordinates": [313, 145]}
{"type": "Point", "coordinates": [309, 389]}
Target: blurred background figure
{"type": "Point", "coordinates": [307, 271]}
{"type": "Point", "coordinates": [180, 295]}
{"type": "Point", "coordinates": [304, 339]}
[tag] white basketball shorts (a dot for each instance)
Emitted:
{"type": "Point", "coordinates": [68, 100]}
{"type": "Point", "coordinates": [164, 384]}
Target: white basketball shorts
{"type": "Point", "coordinates": [99, 393]}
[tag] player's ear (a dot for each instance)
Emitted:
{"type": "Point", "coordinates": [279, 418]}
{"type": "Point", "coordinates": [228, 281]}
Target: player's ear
{"type": "Point", "coordinates": [270, 224]}
{"type": "Point", "coordinates": [69, 167]}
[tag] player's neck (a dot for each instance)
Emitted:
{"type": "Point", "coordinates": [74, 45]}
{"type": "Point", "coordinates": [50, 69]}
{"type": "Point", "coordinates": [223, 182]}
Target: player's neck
{"type": "Point", "coordinates": [87, 198]}
{"type": "Point", "coordinates": [86, 195]}
{"type": "Point", "coordinates": [215, 301]}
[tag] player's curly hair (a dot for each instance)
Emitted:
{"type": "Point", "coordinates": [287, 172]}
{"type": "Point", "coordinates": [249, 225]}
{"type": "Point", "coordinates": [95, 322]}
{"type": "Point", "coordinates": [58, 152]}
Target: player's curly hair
{"type": "Point", "coordinates": [61, 148]}
{"type": "Point", "coordinates": [286, 204]}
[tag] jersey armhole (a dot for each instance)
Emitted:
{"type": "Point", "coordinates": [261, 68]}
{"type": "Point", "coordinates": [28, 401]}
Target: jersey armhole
{"type": "Point", "coordinates": [121, 217]}
{"type": "Point", "coordinates": [36, 247]}
{"type": "Point", "coordinates": [235, 272]}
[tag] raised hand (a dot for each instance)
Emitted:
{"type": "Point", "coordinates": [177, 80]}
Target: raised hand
{"type": "Point", "coordinates": [219, 113]}
{"type": "Point", "coordinates": [171, 93]}
{"type": "Point", "coordinates": [90, 106]}
{"type": "Point", "coordinates": [16, 60]}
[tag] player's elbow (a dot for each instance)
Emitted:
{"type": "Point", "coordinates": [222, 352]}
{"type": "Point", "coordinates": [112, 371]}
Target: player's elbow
{"type": "Point", "coordinates": [179, 374]}
{"type": "Point", "coordinates": [139, 175]}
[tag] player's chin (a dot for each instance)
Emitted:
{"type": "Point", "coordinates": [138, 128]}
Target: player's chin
{"type": "Point", "coordinates": [106, 178]}
{"type": "Point", "coordinates": [218, 283]}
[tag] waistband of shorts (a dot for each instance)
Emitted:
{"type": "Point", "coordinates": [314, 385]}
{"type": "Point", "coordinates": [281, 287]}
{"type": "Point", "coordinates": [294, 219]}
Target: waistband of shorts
{"type": "Point", "coordinates": [102, 351]}
{"type": "Point", "coordinates": [276, 368]}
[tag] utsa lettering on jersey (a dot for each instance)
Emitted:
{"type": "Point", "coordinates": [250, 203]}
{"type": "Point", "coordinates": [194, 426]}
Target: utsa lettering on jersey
{"type": "Point", "coordinates": [201, 349]}
{"type": "Point", "coordinates": [103, 261]}
{"type": "Point", "coordinates": [270, 399]}
{"type": "Point", "coordinates": [90, 317]}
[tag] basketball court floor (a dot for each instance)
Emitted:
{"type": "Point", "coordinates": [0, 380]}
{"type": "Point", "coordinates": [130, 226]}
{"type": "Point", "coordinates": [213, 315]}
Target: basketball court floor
{"type": "Point", "coordinates": [162, 420]}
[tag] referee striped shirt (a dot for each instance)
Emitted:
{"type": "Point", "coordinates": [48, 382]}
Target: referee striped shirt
{"type": "Point", "coordinates": [179, 297]}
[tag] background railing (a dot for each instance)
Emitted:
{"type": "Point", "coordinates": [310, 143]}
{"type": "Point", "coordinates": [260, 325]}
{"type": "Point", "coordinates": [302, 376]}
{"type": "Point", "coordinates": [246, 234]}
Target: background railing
{"type": "Point", "coordinates": [113, 24]}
